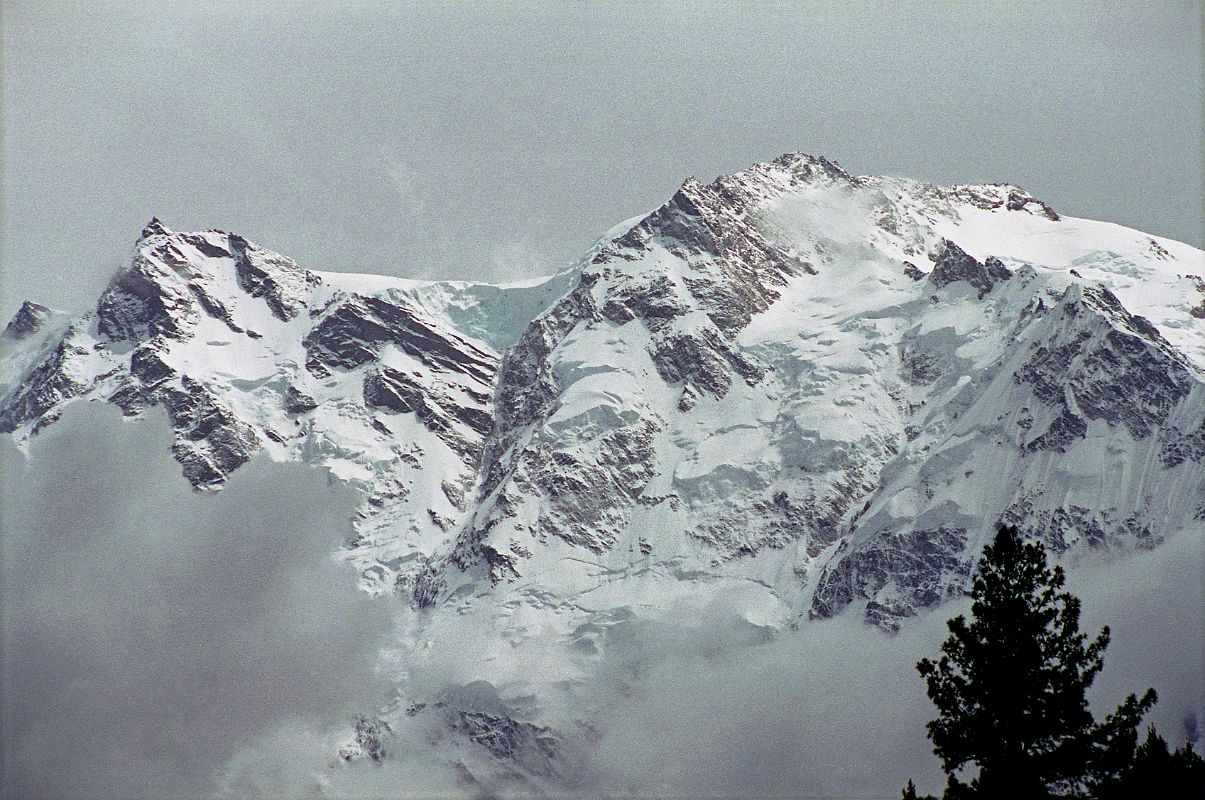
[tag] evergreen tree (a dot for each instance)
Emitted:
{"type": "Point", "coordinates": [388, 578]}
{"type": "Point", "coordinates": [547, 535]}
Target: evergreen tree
{"type": "Point", "coordinates": [1010, 687]}
{"type": "Point", "coordinates": [910, 793]}
{"type": "Point", "coordinates": [1157, 771]}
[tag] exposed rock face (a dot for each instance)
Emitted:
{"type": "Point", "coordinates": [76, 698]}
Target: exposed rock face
{"type": "Point", "coordinates": [29, 319]}
{"type": "Point", "coordinates": [438, 405]}
{"type": "Point", "coordinates": [211, 441]}
{"type": "Point", "coordinates": [1062, 528]}
{"type": "Point", "coordinates": [476, 711]}
{"type": "Point", "coordinates": [278, 280]}
{"type": "Point", "coordinates": [750, 399]}
{"type": "Point", "coordinates": [952, 264]}
{"type": "Point", "coordinates": [354, 332]}
{"type": "Point", "coordinates": [898, 573]}
{"type": "Point", "coordinates": [1062, 432]}
{"type": "Point", "coordinates": [368, 740]}
{"type": "Point", "coordinates": [734, 268]}
{"type": "Point", "coordinates": [995, 196]}
{"type": "Point", "coordinates": [1020, 200]}
{"type": "Point", "coordinates": [1105, 363]}
{"type": "Point", "coordinates": [52, 382]}
{"type": "Point", "coordinates": [529, 746]}
{"type": "Point", "coordinates": [1179, 446]}
{"type": "Point", "coordinates": [298, 402]}
{"type": "Point", "coordinates": [149, 299]}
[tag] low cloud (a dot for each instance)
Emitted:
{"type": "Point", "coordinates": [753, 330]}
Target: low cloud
{"type": "Point", "coordinates": [838, 710]}
{"type": "Point", "coordinates": [834, 709]}
{"type": "Point", "coordinates": [151, 633]}
{"type": "Point", "coordinates": [1152, 602]}
{"type": "Point", "coordinates": [161, 643]}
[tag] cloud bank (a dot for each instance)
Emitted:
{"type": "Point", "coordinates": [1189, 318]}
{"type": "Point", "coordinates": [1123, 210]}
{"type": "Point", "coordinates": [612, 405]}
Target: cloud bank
{"type": "Point", "coordinates": [838, 710]}
{"type": "Point", "coordinates": [151, 633]}
{"type": "Point", "coordinates": [160, 643]}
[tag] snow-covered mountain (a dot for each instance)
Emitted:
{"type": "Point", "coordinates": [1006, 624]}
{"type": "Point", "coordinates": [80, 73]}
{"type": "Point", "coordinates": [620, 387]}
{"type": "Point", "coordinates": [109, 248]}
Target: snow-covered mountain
{"type": "Point", "coordinates": [790, 394]}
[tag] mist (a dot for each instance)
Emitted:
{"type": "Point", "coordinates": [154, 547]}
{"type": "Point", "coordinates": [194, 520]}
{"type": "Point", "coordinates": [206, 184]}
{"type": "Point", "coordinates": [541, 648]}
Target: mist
{"type": "Point", "coordinates": [164, 643]}
{"type": "Point", "coordinates": [837, 708]}
{"type": "Point", "coordinates": [719, 707]}
{"type": "Point", "coordinates": [152, 633]}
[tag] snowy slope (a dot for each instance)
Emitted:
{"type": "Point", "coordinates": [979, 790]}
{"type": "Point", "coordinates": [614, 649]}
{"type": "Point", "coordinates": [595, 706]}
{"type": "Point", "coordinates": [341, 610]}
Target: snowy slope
{"type": "Point", "coordinates": [781, 395]}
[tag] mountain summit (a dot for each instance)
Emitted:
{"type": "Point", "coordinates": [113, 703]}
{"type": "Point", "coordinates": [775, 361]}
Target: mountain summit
{"type": "Point", "coordinates": [793, 390]}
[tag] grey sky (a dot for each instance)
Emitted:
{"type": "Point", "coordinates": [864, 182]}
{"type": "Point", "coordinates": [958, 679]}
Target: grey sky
{"type": "Point", "coordinates": [446, 141]}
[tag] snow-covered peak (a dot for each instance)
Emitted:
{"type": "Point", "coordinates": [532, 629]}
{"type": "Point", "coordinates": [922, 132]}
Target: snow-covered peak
{"type": "Point", "coordinates": [154, 228]}
{"type": "Point", "coordinates": [785, 393]}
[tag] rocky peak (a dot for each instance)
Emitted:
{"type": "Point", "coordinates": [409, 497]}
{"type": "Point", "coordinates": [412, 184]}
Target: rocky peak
{"type": "Point", "coordinates": [808, 167]}
{"type": "Point", "coordinates": [732, 269]}
{"type": "Point", "coordinates": [952, 264]}
{"type": "Point", "coordinates": [175, 278]}
{"type": "Point", "coordinates": [148, 298]}
{"type": "Point", "coordinates": [28, 320]}
{"type": "Point", "coordinates": [154, 228]}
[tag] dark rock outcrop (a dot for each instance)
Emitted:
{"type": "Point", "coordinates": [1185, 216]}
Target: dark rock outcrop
{"type": "Point", "coordinates": [275, 279]}
{"type": "Point", "coordinates": [1020, 200]}
{"type": "Point", "coordinates": [1178, 446]}
{"type": "Point", "coordinates": [148, 299]}
{"type": "Point", "coordinates": [28, 320]}
{"type": "Point", "coordinates": [298, 402]}
{"type": "Point", "coordinates": [476, 712]}
{"type": "Point", "coordinates": [1062, 528]}
{"type": "Point", "coordinates": [369, 738]}
{"type": "Point", "coordinates": [736, 268]}
{"type": "Point", "coordinates": [921, 567]}
{"type": "Point", "coordinates": [435, 405]}
{"type": "Point", "coordinates": [702, 360]}
{"type": "Point", "coordinates": [49, 383]}
{"type": "Point", "coordinates": [1112, 365]}
{"type": "Point", "coordinates": [1062, 432]}
{"type": "Point", "coordinates": [211, 441]}
{"type": "Point", "coordinates": [353, 333]}
{"type": "Point", "coordinates": [952, 264]}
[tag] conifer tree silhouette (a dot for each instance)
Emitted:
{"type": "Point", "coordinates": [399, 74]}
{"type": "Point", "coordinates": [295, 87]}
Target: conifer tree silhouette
{"type": "Point", "coordinates": [1010, 687]}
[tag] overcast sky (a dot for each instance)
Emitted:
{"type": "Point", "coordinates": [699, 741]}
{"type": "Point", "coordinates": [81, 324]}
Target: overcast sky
{"type": "Point", "coordinates": [455, 142]}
